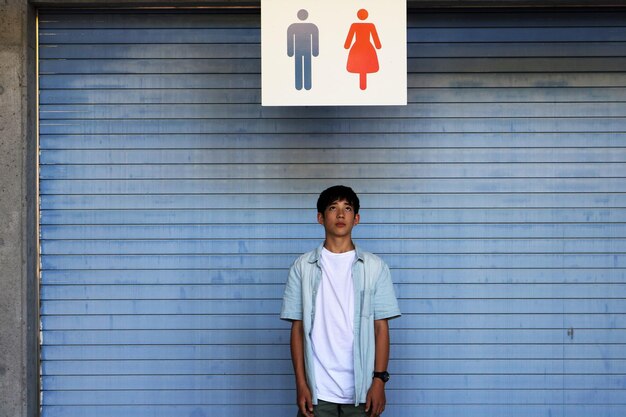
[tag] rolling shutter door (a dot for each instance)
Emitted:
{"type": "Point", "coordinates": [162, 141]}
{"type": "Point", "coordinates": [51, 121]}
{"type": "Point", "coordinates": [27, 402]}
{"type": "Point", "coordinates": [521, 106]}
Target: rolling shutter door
{"type": "Point", "coordinates": [172, 205]}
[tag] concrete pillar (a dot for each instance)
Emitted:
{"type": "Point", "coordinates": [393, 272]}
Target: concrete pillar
{"type": "Point", "coordinates": [18, 301]}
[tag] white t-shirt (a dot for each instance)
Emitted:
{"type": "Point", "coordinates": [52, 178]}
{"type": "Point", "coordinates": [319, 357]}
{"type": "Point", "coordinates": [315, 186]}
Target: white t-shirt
{"type": "Point", "coordinates": [332, 334]}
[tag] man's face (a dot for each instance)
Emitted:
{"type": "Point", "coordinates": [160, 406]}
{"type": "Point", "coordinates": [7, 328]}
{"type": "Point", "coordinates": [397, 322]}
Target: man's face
{"type": "Point", "coordinates": [338, 219]}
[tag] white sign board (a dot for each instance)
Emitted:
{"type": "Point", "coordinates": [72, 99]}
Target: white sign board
{"type": "Point", "coordinates": [333, 52]}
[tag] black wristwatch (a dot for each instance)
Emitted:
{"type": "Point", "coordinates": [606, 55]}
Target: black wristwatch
{"type": "Point", "coordinates": [384, 375]}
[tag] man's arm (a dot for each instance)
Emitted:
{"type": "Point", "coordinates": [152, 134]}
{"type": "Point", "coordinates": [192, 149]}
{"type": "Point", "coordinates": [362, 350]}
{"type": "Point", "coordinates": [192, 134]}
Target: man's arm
{"type": "Point", "coordinates": [376, 401]}
{"type": "Point", "coordinates": [305, 403]}
{"type": "Point", "coordinates": [290, 39]}
{"type": "Point", "coordinates": [315, 41]}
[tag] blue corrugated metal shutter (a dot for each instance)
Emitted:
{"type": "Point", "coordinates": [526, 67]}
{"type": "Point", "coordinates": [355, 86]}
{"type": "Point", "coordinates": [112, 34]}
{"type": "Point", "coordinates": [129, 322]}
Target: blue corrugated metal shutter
{"type": "Point", "coordinates": [172, 205]}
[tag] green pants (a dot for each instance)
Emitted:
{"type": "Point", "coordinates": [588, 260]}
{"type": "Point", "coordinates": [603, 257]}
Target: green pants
{"type": "Point", "coordinates": [326, 409]}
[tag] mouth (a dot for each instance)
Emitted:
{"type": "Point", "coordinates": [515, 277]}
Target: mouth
{"type": "Point", "coordinates": [340, 224]}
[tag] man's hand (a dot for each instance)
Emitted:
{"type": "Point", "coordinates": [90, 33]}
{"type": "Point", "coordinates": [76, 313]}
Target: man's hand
{"type": "Point", "coordinates": [304, 400]}
{"type": "Point", "coordinates": [375, 400]}
{"type": "Point", "coordinates": [305, 403]}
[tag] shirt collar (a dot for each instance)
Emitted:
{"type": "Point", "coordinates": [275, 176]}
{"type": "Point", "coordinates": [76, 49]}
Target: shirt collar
{"type": "Point", "coordinates": [315, 255]}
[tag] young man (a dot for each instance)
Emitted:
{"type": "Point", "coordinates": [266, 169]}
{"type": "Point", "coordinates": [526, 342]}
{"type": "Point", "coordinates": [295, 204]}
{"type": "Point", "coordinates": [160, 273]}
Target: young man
{"type": "Point", "coordinates": [339, 299]}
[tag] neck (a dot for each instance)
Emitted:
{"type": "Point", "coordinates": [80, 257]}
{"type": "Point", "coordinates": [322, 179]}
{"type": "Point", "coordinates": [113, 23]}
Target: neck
{"type": "Point", "coordinates": [339, 245]}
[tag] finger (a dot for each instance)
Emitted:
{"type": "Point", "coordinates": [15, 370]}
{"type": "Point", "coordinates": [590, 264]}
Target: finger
{"type": "Point", "coordinates": [309, 405]}
{"type": "Point", "coordinates": [303, 407]}
{"type": "Point", "coordinates": [305, 412]}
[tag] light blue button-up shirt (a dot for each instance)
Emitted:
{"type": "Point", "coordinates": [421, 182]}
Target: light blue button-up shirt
{"type": "Point", "coordinates": [374, 299]}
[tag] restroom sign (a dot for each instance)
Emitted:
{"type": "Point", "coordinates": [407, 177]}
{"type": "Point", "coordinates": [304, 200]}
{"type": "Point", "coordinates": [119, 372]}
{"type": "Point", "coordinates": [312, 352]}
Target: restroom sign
{"type": "Point", "coordinates": [333, 52]}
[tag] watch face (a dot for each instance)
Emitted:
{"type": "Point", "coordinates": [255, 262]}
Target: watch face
{"type": "Point", "coordinates": [382, 375]}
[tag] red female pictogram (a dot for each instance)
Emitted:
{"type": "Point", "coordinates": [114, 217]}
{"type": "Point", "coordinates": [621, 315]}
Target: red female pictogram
{"type": "Point", "coordinates": [362, 58]}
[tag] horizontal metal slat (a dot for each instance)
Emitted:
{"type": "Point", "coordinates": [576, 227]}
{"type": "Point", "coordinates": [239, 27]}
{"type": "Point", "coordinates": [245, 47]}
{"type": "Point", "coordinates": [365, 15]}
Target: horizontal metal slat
{"type": "Point", "coordinates": [408, 321]}
{"type": "Point", "coordinates": [278, 276]}
{"type": "Point", "coordinates": [414, 95]}
{"type": "Point", "coordinates": [275, 291]}
{"type": "Point", "coordinates": [336, 125]}
{"type": "Point", "coordinates": [425, 410]}
{"type": "Point", "coordinates": [335, 158]}
{"type": "Point", "coordinates": [415, 382]}
{"type": "Point", "coordinates": [442, 306]}
{"type": "Point", "coordinates": [314, 231]}
{"type": "Point", "coordinates": [379, 246]}
{"type": "Point", "coordinates": [278, 186]}
{"type": "Point", "coordinates": [351, 171]}
{"type": "Point", "coordinates": [430, 351]}
{"type": "Point", "coordinates": [306, 200]}
{"type": "Point", "coordinates": [394, 396]}
{"type": "Point", "coordinates": [250, 18]}
{"type": "Point", "coordinates": [226, 81]}
{"type": "Point", "coordinates": [243, 261]}
{"type": "Point", "coordinates": [263, 336]}
{"type": "Point", "coordinates": [150, 36]}
{"type": "Point", "coordinates": [54, 19]}
{"type": "Point", "coordinates": [284, 366]}
{"type": "Point", "coordinates": [372, 216]}
{"type": "Point", "coordinates": [235, 111]}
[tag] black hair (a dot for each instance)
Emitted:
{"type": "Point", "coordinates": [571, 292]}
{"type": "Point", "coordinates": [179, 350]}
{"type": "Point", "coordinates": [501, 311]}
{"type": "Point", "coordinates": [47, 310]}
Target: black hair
{"type": "Point", "coordinates": [335, 193]}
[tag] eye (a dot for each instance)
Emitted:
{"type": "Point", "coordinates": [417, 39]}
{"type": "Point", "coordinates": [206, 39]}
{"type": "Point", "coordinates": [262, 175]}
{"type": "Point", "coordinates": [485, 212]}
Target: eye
{"type": "Point", "coordinates": [348, 208]}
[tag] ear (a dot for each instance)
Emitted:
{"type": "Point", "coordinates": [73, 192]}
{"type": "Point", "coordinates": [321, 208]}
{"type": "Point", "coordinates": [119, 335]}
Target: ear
{"type": "Point", "coordinates": [320, 218]}
{"type": "Point", "coordinates": [357, 219]}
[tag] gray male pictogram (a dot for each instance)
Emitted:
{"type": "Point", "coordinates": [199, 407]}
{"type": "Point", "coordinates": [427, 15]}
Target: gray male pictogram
{"type": "Point", "coordinates": [303, 44]}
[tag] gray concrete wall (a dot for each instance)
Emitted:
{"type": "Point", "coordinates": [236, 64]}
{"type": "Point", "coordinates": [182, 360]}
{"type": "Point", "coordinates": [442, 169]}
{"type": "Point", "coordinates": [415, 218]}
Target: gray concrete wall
{"type": "Point", "coordinates": [18, 316]}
